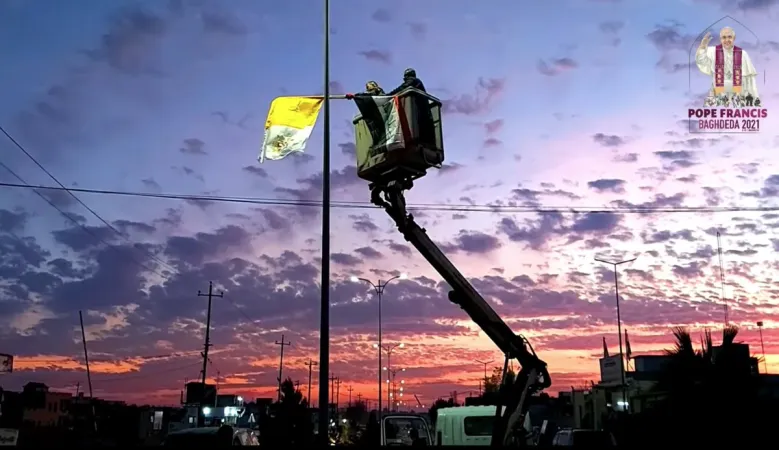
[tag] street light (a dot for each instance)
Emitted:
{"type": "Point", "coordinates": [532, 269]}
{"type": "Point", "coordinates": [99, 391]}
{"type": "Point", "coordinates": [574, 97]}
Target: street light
{"type": "Point", "coordinates": [379, 289]}
{"type": "Point", "coordinates": [393, 390]}
{"type": "Point", "coordinates": [485, 372]}
{"type": "Point", "coordinates": [619, 325]}
{"type": "Point", "coordinates": [762, 345]}
{"type": "Point", "coordinates": [389, 348]}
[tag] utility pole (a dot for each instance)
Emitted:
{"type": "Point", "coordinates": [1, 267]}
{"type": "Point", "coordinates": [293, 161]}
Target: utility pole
{"type": "Point", "coordinates": [762, 345]}
{"type": "Point", "coordinates": [86, 354]}
{"type": "Point", "coordinates": [350, 389]}
{"type": "Point", "coordinates": [359, 398]}
{"type": "Point", "coordinates": [78, 388]}
{"type": "Point", "coordinates": [337, 393]}
{"type": "Point", "coordinates": [297, 385]}
{"type": "Point", "coordinates": [89, 374]}
{"type": "Point", "coordinates": [332, 390]}
{"type": "Point", "coordinates": [207, 344]}
{"type": "Point", "coordinates": [281, 363]}
{"type": "Point", "coordinates": [310, 363]}
{"type": "Point", "coordinates": [619, 328]}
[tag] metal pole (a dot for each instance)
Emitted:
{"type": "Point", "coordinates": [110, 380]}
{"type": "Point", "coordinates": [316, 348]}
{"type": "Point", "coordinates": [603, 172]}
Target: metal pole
{"type": "Point", "coordinates": [394, 391]}
{"type": "Point", "coordinates": [310, 369]}
{"type": "Point", "coordinates": [86, 354]}
{"type": "Point", "coordinates": [324, 316]}
{"type": "Point", "coordinates": [337, 393]}
{"type": "Point", "coordinates": [281, 364]}
{"type": "Point", "coordinates": [89, 374]}
{"type": "Point", "coordinates": [619, 332]}
{"type": "Point", "coordinates": [311, 363]}
{"type": "Point", "coordinates": [208, 333]}
{"type": "Point", "coordinates": [379, 289]}
{"type": "Point", "coordinates": [390, 404]}
{"type": "Point", "coordinates": [762, 345]}
{"type": "Point", "coordinates": [485, 374]}
{"type": "Point", "coordinates": [332, 388]}
{"type": "Point", "coordinates": [619, 327]}
{"type": "Point", "coordinates": [379, 292]}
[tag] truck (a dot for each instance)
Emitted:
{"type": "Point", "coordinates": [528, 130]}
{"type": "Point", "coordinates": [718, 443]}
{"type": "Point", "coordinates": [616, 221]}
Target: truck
{"type": "Point", "coordinates": [414, 144]}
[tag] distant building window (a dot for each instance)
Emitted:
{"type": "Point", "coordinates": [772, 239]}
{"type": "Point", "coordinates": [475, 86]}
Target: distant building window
{"type": "Point", "coordinates": [478, 425]}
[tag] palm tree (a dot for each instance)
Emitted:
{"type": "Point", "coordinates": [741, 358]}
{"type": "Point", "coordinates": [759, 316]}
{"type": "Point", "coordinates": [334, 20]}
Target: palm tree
{"type": "Point", "coordinates": [712, 388]}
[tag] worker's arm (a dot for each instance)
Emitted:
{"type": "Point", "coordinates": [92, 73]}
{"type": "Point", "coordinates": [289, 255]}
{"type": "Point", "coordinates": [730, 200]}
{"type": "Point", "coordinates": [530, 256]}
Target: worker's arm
{"type": "Point", "coordinates": [403, 86]}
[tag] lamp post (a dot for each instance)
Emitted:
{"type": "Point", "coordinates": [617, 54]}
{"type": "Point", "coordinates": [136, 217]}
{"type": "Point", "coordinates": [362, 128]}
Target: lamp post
{"type": "Point", "coordinates": [619, 326]}
{"type": "Point", "coordinates": [762, 345]}
{"type": "Point", "coordinates": [485, 374]}
{"type": "Point", "coordinates": [389, 348]}
{"type": "Point", "coordinates": [391, 389]}
{"type": "Point", "coordinates": [379, 289]}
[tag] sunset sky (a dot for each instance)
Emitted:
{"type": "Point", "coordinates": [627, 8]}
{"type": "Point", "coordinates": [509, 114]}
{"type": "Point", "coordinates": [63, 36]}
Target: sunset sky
{"type": "Point", "coordinates": [568, 105]}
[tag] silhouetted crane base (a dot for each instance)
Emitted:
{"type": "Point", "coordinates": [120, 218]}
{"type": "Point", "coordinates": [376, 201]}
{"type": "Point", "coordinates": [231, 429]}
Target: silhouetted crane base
{"type": "Point", "coordinates": [533, 375]}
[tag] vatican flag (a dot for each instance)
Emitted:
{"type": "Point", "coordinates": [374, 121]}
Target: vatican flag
{"type": "Point", "coordinates": [289, 125]}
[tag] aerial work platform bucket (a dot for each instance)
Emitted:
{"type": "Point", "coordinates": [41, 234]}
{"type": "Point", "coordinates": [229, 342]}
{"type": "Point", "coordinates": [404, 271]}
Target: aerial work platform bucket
{"type": "Point", "coordinates": [398, 137]}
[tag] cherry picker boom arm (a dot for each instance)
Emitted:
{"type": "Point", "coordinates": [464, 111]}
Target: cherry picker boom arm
{"type": "Point", "coordinates": [533, 375]}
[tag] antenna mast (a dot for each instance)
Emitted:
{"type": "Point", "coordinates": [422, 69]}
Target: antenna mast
{"type": "Point", "coordinates": [722, 279]}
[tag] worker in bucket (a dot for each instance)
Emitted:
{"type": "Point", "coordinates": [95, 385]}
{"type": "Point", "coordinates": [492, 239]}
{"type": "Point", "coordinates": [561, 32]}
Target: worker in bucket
{"type": "Point", "coordinates": [410, 80]}
{"type": "Point", "coordinates": [373, 88]}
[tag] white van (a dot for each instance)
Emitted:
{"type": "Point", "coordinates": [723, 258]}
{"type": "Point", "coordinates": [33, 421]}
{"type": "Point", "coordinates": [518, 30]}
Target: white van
{"type": "Point", "coordinates": [466, 425]}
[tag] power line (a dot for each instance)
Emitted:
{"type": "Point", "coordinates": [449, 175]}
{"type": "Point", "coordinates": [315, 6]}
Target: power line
{"type": "Point", "coordinates": [62, 187]}
{"type": "Point", "coordinates": [106, 223]}
{"type": "Point", "coordinates": [91, 233]}
{"type": "Point", "coordinates": [432, 207]}
{"type": "Point", "coordinates": [76, 222]}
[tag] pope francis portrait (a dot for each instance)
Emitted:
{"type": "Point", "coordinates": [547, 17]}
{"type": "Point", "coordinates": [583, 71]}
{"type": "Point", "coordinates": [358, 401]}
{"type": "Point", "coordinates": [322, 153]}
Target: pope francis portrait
{"type": "Point", "coordinates": [733, 76]}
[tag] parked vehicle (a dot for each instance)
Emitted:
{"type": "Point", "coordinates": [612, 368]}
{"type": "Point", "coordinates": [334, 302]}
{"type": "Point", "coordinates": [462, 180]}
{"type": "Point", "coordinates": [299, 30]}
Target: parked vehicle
{"type": "Point", "coordinates": [468, 425]}
{"type": "Point", "coordinates": [405, 430]}
{"type": "Point", "coordinates": [584, 438]}
{"type": "Point", "coordinates": [212, 436]}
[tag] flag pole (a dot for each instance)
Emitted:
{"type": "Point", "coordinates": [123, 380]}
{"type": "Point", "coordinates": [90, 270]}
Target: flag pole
{"type": "Point", "coordinates": [324, 318]}
{"type": "Point", "coordinates": [331, 97]}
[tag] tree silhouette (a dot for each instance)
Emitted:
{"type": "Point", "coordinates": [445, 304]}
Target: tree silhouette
{"type": "Point", "coordinates": [291, 396]}
{"type": "Point", "coordinates": [492, 382]}
{"type": "Point", "coordinates": [713, 388]}
{"type": "Point", "coordinates": [290, 422]}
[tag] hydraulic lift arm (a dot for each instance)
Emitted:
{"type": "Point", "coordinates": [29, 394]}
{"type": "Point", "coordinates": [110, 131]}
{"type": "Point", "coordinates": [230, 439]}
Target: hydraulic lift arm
{"type": "Point", "coordinates": [533, 375]}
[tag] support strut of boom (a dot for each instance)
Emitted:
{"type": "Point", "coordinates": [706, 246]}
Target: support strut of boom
{"type": "Point", "coordinates": [533, 375]}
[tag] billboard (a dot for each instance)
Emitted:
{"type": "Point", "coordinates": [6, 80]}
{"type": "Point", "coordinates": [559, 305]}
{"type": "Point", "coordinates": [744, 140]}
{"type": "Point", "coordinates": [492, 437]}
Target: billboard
{"type": "Point", "coordinates": [732, 102]}
{"type": "Point", "coordinates": [611, 369]}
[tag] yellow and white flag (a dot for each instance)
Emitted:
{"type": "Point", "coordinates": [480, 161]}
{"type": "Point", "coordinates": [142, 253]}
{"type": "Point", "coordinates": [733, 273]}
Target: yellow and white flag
{"type": "Point", "coordinates": [290, 123]}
